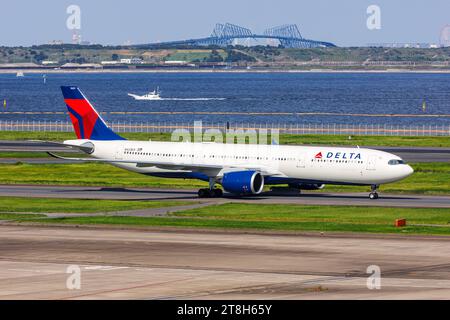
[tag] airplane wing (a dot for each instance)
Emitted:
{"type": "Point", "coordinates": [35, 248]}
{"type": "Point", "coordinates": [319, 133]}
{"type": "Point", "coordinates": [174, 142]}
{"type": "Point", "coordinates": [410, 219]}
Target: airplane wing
{"type": "Point", "coordinates": [209, 169]}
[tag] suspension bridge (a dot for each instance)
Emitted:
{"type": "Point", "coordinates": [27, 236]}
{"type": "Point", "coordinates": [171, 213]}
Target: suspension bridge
{"type": "Point", "coordinates": [226, 34]}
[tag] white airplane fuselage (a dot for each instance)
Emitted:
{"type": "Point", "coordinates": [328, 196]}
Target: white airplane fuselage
{"type": "Point", "coordinates": [241, 169]}
{"type": "Point", "coordinates": [283, 163]}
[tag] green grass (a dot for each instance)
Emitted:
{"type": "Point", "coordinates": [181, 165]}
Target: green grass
{"type": "Point", "coordinates": [86, 174]}
{"type": "Point", "coordinates": [326, 214]}
{"type": "Point", "coordinates": [61, 136]}
{"type": "Point", "coordinates": [39, 155]}
{"type": "Point", "coordinates": [290, 218]}
{"type": "Point", "coordinates": [284, 139]}
{"type": "Point", "coordinates": [192, 55]}
{"type": "Point", "coordinates": [25, 154]}
{"type": "Point", "coordinates": [20, 216]}
{"type": "Point", "coordinates": [52, 205]}
{"type": "Point", "coordinates": [429, 178]}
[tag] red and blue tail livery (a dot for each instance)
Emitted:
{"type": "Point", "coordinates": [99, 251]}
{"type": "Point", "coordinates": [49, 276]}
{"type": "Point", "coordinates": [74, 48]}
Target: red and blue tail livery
{"type": "Point", "coordinates": [87, 123]}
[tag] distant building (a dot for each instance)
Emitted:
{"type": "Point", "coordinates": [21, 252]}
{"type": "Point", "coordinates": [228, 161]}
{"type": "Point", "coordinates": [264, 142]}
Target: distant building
{"type": "Point", "coordinates": [403, 45]}
{"type": "Point", "coordinates": [76, 37]}
{"type": "Point", "coordinates": [131, 61]}
{"type": "Point", "coordinates": [175, 62]}
{"type": "Point", "coordinates": [48, 62]}
{"type": "Point", "coordinates": [55, 42]}
{"type": "Point", "coordinates": [71, 65]}
{"type": "Point", "coordinates": [445, 36]}
{"type": "Point", "coordinates": [109, 62]}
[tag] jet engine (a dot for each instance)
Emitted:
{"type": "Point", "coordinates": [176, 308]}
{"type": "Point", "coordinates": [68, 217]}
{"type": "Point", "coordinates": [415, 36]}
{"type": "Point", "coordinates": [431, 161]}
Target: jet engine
{"type": "Point", "coordinates": [243, 182]}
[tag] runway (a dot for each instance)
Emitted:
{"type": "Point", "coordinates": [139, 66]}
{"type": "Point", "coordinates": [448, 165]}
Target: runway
{"type": "Point", "coordinates": [180, 264]}
{"type": "Point", "coordinates": [306, 198]}
{"type": "Point", "coordinates": [410, 154]}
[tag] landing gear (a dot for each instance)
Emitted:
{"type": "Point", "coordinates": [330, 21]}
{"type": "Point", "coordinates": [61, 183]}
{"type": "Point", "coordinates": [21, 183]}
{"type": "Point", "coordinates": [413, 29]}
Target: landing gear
{"type": "Point", "coordinates": [218, 193]}
{"type": "Point", "coordinates": [203, 193]}
{"type": "Point", "coordinates": [373, 193]}
{"type": "Point", "coordinates": [211, 192]}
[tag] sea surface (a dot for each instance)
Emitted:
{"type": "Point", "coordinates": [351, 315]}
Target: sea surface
{"type": "Point", "coordinates": [305, 97]}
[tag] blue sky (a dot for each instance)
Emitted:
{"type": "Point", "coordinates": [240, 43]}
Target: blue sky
{"type": "Point", "coordinates": [343, 22]}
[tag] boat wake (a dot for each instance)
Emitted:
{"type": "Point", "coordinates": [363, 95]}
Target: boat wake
{"type": "Point", "coordinates": [156, 95]}
{"type": "Point", "coordinates": [191, 99]}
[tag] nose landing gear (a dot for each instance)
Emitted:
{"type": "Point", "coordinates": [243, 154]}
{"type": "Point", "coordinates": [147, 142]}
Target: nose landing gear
{"type": "Point", "coordinates": [373, 192]}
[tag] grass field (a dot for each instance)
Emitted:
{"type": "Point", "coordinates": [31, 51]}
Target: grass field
{"type": "Point", "coordinates": [281, 217]}
{"type": "Point", "coordinates": [393, 141]}
{"type": "Point", "coordinates": [273, 57]}
{"type": "Point", "coordinates": [52, 205]}
{"type": "Point", "coordinates": [193, 55]}
{"type": "Point", "coordinates": [429, 178]}
{"type": "Point", "coordinates": [85, 174]}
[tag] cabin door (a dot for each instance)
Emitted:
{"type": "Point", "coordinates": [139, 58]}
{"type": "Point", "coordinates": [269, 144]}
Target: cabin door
{"type": "Point", "coordinates": [301, 160]}
{"type": "Point", "coordinates": [371, 163]}
{"type": "Point", "coordinates": [119, 153]}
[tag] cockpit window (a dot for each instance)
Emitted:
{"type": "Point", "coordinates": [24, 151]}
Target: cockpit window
{"type": "Point", "coordinates": [395, 162]}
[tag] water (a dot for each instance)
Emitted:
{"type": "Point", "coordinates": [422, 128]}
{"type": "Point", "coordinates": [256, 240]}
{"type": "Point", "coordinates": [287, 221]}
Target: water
{"type": "Point", "coordinates": [339, 93]}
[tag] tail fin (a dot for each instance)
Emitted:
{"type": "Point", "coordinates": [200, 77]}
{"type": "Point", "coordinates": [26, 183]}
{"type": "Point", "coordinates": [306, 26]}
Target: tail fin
{"type": "Point", "coordinates": [87, 123]}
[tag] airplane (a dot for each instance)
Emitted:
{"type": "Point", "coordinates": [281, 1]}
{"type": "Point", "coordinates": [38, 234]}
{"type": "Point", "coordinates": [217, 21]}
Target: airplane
{"type": "Point", "coordinates": [241, 169]}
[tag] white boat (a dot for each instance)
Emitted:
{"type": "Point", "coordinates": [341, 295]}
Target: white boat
{"type": "Point", "coordinates": [20, 74]}
{"type": "Point", "coordinates": [152, 95]}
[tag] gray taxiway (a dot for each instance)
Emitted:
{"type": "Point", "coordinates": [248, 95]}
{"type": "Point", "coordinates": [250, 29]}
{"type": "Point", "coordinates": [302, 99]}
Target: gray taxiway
{"type": "Point", "coordinates": [307, 197]}
{"type": "Point", "coordinates": [37, 263]}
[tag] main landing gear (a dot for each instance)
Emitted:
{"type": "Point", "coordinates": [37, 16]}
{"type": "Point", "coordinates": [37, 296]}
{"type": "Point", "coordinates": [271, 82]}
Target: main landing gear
{"type": "Point", "coordinates": [373, 192]}
{"type": "Point", "coordinates": [210, 192]}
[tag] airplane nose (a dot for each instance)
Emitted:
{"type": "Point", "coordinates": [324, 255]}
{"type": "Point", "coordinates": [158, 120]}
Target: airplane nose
{"type": "Point", "coordinates": [409, 170]}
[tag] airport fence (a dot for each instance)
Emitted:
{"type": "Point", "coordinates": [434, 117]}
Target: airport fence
{"type": "Point", "coordinates": [287, 128]}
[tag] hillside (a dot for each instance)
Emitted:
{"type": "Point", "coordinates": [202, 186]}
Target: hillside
{"type": "Point", "coordinates": [260, 56]}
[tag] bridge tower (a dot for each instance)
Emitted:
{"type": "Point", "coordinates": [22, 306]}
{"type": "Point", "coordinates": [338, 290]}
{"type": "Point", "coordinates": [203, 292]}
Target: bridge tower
{"type": "Point", "coordinates": [288, 35]}
{"type": "Point", "coordinates": [224, 34]}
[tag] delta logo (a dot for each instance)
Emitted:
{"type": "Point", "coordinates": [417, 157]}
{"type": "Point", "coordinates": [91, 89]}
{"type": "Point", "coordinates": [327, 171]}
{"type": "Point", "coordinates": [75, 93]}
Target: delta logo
{"type": "Point", "coordinates": [340, 155]}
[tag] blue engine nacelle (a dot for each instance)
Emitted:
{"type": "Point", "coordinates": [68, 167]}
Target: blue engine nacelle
{"type": "Point", "coordinates": [243, 182]}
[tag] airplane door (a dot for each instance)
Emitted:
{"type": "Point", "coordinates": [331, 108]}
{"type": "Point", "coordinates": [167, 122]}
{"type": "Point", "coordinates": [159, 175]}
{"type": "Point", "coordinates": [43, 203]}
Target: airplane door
{"type": "Point", "coordinates": [119, 153]}
{"type": "Point", "coordinates": [301, 160]}
{"type": "Point", "coordinates": [371, 163]}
